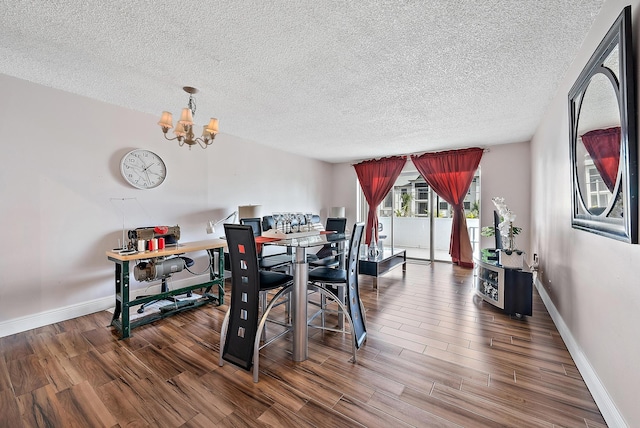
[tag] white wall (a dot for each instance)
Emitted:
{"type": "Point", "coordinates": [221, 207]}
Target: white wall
{"type": "Point", "coordinates": [505, 171]}
{"type": "Point", "coordinates": [60, 170]}
{"type": "Point", "coordinates": [345, 191]}
{"type": "Point", "coordinates": [591, 282]}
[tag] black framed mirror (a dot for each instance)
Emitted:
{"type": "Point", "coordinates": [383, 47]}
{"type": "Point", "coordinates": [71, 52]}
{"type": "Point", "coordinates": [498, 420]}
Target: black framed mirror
{"type": "Point", "coordinates": [603, 138]}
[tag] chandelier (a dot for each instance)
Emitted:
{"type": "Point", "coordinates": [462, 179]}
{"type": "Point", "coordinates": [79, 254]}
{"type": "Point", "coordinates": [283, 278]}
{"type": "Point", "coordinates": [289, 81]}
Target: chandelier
{"type": "Point", "coordinates": [184, 128]}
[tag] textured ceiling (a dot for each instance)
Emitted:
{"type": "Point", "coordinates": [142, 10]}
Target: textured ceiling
{"type": "Point", "coordinates": [333, 80]}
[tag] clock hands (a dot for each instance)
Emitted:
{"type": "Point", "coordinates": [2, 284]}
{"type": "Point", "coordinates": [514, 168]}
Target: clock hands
{"type": "Point", "coordinates": [140, 171]}
{"type": "Point", "coordinates": [148, 171]}
{"type": "Point", "coordinates": [145, 169]}
{"type": "Point", "coordinates": [147, 176]}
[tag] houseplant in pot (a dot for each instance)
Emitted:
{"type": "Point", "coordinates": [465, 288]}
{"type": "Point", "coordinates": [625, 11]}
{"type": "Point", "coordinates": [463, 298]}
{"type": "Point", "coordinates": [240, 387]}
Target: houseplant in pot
{"type": "Point", "coordinates": [509, 255]}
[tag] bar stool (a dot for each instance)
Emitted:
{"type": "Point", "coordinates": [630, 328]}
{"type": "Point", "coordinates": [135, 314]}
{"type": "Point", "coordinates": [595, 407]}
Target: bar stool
{"type": "Point", "coordinates": [332, 283]}
{"type": "Point", "coordinates": [244, 323]}
{"type": "Point", "coordinates": [326, 256]}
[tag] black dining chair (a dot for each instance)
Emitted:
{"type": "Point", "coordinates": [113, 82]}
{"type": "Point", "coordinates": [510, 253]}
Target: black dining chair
{"type": "Point", "coordinates": [268, 223]}
{"type": "Point", "coordinates": [334, 283]}
{"type": "Point", "coordinates": [241, 336]}
{"type": "Point", "coordinates": [327, 255]}
{"type": "Point", "coordinates": [271, 262]}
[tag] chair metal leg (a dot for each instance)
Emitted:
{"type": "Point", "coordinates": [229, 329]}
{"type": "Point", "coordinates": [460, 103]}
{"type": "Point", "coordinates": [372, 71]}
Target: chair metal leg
{"type": "Point", "coordinates": [323, 306]}
{"type": "Point", "coordinates": [287, 311]}
{"type": "Point", "coordinates": [261, 329]}
{"type": "Point", "coordinates": [343, 308]}
{"type": "Point", "coordinates": [263, 304]}
{"type": "Point", "coordinates": [342, 315]}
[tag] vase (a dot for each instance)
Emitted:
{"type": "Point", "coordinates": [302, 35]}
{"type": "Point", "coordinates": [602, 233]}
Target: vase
{"type": "Point", "coordinates": [508, 242]}
{"type": "Point", "coordinates": [509, 239]}
{"type": "Point", "coordinates": [373, 247]}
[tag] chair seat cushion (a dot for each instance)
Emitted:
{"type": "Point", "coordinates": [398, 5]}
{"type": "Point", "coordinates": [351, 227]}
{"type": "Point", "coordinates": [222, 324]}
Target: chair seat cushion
{"type": "Point", "coordinates": [328, 262]}
{"type": "Point", "coordinates": [270, 280]}
{"type": "Point", "coordinates": [271, 262]}
{"type": "Point", "coordinates": [327, 274]}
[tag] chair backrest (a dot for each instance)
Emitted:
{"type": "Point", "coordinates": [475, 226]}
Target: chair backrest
{"type": "Point", "coordinates": [268, 223]}
{"type": "Point", "coordinates": [353, 292]}
{"type": "Point", "coordinates": [336, 224]}
{"type": "Point", "coordinates": [245, 291]}
{"type": "Point", "coordinates": [255, 223]}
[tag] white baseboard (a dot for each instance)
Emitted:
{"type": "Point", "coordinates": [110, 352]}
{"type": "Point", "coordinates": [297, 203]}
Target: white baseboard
{"type": "Point", "coordinates": [600, 395]}
{"type": "Point", "coordinates": [18, 325]}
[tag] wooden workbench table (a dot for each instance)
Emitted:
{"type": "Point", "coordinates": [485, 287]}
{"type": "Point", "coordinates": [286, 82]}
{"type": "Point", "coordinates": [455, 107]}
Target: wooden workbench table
{"type": "Point", "coordinates": [121, 319]}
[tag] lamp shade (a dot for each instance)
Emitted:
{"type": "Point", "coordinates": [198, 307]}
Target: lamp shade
{"type": "Point", "coordinates": [186, 118]}
{"type": "Point", "coordinates": [337, 212]}
{"type": "Point", "coordinates": [212, 127]}
{"type": "Point", "coordinates": [249, 211]}
{"type": "Point", "coordinates": [166, 120]}
{"type": "Point", "coordinates": [179, 131]}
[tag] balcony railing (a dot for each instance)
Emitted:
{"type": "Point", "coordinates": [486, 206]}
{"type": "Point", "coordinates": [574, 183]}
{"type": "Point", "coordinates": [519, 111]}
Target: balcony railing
{"type": "Point", "coordinates": [412, 234]}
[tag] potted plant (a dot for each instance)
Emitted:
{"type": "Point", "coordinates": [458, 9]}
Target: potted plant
{"type": "Point", "coordinates": [509, 256]}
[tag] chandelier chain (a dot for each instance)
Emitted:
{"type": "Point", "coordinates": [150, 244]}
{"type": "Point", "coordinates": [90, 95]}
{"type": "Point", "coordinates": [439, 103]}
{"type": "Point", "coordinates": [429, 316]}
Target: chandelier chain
{"type": "Point", "coordinates": [192, 105]}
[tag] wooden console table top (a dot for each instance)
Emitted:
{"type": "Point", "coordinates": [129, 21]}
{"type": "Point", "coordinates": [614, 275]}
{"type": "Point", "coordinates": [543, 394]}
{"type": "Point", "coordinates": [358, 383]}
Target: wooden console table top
{"type": "Point", "coordinates": [183, 247]}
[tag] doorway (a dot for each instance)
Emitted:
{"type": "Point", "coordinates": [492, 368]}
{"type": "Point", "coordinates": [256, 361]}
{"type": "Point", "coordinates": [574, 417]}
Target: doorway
{"type": "Point", "coordinates": [413, 217]}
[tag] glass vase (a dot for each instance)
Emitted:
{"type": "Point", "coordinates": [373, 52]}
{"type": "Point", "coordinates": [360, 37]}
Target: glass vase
{"type": "Point", "coordinates": [509, 240]}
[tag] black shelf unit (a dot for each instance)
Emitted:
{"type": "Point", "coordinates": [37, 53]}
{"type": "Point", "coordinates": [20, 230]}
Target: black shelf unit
{"type": "Point", "coordinates": [509, 289]}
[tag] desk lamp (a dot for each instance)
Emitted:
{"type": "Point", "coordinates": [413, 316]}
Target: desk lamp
{"type": "Point", "coordinates": [211, 227]}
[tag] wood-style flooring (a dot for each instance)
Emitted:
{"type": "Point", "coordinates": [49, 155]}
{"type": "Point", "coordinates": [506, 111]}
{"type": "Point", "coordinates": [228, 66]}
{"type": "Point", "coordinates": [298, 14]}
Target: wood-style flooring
{"type": "Point", "coordinates": [436, 356]}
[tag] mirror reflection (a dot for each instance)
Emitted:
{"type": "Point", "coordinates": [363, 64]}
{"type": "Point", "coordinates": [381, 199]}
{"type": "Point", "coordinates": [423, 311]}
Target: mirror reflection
{"type": "Point", "coordinates": [603, 139]}
{"type": "Point", "coordinates": [598, 145]}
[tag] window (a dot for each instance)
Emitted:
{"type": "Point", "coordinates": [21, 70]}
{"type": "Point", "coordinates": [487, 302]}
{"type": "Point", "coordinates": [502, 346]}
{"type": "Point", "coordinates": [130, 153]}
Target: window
{"type": "Point", "coordinates": [388, 201]}
{"type": "Point", "coordinates": [422, 191]}
{"type": "Point", "coordinates": [599, 194]}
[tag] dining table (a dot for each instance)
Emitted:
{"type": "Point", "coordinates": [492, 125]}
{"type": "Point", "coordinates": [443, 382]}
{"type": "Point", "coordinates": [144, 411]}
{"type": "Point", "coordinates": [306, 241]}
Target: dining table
{"type": "Point", "coordinates": [299, 244]}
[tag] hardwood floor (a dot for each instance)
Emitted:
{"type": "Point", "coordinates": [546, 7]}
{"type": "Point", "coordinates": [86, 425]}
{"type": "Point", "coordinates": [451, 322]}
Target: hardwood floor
{"type": "Point", "coordinates": [436, 356]}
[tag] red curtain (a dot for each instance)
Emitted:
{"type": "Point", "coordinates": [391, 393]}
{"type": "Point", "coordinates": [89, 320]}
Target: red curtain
{"type": "Point", "coordinates": [450, 174]}
{"type": "Point", "coordinates": [603, 145]}
{"type": "Point", "coordinates": [377, 177]}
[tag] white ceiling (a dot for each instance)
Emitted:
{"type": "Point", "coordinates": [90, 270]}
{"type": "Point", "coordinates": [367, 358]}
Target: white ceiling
{"type": "Point", "coordinates": [334, 80]}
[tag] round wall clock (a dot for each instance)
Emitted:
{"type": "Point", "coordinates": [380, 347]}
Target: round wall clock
{"type": "Point", "coordinates": [143, 169]}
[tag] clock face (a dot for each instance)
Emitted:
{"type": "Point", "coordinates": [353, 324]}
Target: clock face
{"type": "Point", "coordinates": [143, 169]}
